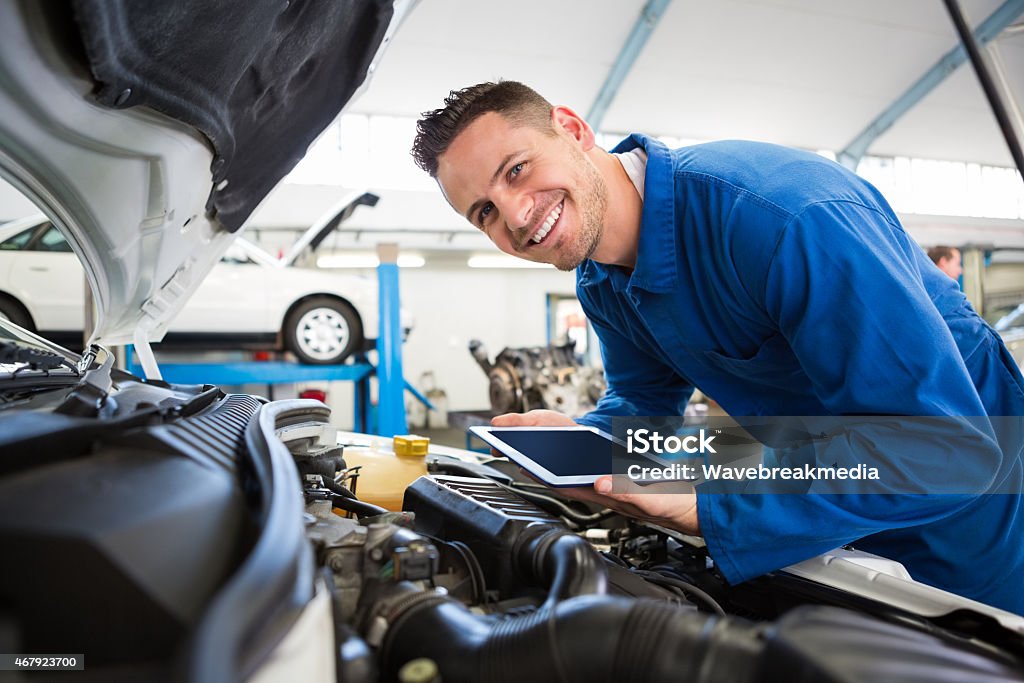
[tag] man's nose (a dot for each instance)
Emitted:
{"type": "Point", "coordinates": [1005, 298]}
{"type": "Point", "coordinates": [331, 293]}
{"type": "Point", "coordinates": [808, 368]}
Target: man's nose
{"type": "Point", "coordinates": [518, 210]}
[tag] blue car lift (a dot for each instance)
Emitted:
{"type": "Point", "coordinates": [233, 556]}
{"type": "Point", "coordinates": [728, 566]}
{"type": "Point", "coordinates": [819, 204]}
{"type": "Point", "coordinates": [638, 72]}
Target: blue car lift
{"type": "Point", "coordinates": [390, 414]}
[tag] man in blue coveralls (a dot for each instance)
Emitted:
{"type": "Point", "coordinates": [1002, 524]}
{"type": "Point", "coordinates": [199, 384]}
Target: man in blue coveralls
{"type": "Point", "coordinates": [777, 282]}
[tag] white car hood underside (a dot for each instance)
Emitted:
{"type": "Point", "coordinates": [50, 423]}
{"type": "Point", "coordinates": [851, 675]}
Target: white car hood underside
{"type": "Point", "coordinates": [127, 187]}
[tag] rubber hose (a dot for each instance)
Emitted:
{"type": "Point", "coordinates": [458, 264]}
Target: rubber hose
{"type": "Point", "coordinates": [587, 638]}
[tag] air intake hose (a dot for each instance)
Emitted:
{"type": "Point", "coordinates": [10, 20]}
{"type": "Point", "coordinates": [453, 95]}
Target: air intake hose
{"type": "Point", "coordinates": [587, 638]}
{"type": "Point", "coordinates": [626, 640]}
{"type": "Point", "coordinates": [581, 634]}
{"type": "Point", "coordinates": [578, 634]}
{"type": "Point", "coordinates": [552, 556]}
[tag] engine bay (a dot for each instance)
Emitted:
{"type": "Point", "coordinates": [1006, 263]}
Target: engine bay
{"type": "Point", "coordinates": [195, 536]}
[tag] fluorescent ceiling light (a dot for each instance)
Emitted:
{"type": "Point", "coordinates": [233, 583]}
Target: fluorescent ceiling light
{"type": "Point", "coordinates": [411, 261]}
{"type": "Point", "coordinates": [502, 261]}
{"type": "Point", "coordinates": [366, 261]}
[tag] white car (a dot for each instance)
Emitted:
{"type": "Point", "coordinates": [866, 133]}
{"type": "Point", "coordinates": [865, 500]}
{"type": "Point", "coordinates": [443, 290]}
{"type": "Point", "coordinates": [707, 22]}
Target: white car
{"type": "Point", "coordinates": [248, 300]}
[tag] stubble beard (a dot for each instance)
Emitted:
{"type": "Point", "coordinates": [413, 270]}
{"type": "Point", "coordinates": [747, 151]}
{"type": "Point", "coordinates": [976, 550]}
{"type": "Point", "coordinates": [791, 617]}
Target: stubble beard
{"type": "Point", "coordinates": [591, 202]}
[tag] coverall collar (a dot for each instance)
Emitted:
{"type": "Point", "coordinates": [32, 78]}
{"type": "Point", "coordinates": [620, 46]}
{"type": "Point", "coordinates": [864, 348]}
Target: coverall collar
{"type": "Point", "coordinates": [655, 269]}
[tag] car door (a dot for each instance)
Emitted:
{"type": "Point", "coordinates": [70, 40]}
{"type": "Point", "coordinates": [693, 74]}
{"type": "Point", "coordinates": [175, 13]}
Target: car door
{"type": "Point", "coordinates": [232, 299]}
{"type": "Point", "coordinates": [10, 252]}
{"type": "Point", "coordinates": [48, 278]}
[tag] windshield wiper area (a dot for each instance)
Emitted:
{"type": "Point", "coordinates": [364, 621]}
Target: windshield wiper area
{"type": "Point", "coordinates": [30, 358]}
{"type": "Point", "coordinates": [88, 398]}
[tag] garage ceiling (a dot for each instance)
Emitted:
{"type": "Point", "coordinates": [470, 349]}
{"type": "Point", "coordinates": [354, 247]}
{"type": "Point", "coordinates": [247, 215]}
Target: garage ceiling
{"type": "Point", "coordinates": [806, 73]}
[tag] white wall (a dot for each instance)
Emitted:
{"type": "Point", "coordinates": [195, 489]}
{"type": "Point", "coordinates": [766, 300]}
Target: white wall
{"type": "Point", "coordinates": [453, 305]}
{"type": "Point", "coordinates": [13, 204]}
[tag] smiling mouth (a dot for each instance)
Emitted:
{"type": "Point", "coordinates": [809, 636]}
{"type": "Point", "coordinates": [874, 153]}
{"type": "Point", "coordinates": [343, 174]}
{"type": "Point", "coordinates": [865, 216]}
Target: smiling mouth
{"type": "Point", "coordinates": [548, 224]}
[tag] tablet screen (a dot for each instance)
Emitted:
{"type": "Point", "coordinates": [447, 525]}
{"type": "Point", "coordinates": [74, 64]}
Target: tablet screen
{"type": "Point", "coordinates": [563, 453]}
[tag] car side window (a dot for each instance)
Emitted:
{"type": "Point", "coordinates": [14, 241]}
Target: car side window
{"type": "Point", "coordinates": [235, 255]}
{"type": "Point", "coordinates": [17, 242]}
{"type": "Point", "coordinates": [52, 240]}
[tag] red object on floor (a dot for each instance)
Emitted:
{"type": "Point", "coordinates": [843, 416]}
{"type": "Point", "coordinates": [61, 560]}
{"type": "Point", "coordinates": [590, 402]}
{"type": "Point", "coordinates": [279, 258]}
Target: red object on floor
{"type": "Point", "coordinates": [315, 394]}
{"type": "Point", "coordinates": [262, 356]}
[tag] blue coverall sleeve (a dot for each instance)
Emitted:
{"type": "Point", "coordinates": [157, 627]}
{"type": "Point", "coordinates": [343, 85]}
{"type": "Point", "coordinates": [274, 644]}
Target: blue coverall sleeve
{"type": "Point", "coordinates": [845, 291]}
{"type": "Point", "coordinates": [638, 383]}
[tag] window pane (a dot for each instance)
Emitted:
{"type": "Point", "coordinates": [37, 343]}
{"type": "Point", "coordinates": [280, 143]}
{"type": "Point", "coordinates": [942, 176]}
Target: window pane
{"type": "Point", "coordinates": [17, 242]}
{"type": "Point", "coordinates": [52, 240]}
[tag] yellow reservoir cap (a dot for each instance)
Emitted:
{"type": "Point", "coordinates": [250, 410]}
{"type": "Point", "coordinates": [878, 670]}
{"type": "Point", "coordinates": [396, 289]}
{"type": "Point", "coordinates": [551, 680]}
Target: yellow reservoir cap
{"type": "Point", "coordinates": [411, 445]}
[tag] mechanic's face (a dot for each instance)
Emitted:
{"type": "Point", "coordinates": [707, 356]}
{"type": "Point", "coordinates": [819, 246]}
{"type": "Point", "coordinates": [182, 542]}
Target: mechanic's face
{"type": "Point", "coordinates": [534, 193]}
{"type": "Point", "coordinates": [952, 266]}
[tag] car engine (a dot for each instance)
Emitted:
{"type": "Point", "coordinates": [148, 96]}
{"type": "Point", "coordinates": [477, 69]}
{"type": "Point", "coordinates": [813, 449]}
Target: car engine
{"type": "Point", "coordinates": [548, 377]}
{"type": "Point", "coordinates": [178, 533]}
{"type": "Point", "coordinates": [489, 578]}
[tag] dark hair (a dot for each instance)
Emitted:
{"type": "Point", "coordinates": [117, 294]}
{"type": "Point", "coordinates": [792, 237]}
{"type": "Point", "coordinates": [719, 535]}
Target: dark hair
{"type": "Point", "coordinates": [938, 253]}
{"type": "Point", "coordinates": [519, 104]}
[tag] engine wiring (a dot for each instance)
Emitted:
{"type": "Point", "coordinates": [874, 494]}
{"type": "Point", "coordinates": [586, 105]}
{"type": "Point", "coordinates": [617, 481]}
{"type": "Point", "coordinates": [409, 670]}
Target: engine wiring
{"type": "Point", "coordinates": [349, 478]}
{"type": "Point", "coordinates": [576, 520]}
{"type": "Point", "coordinates": [342, 498]}
{"type": "Point", "coordinates": [477, 580]}
{"type": "Point", "coordinates": [687, 589]}
{"type": "Point", "coordinates": [337, 486]}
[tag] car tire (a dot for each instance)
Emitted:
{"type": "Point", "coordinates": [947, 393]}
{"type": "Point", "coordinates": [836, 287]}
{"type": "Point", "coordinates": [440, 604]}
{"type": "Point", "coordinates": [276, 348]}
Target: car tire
{"type": "Point", "coordinates": [323, 331]}
{"type": "Point", "coordinates": [11, 309]}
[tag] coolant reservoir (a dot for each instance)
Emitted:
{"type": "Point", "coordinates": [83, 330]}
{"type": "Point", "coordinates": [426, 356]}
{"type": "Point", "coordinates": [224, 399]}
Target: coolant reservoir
{"type": "Point", "coordinates": [384, 474]}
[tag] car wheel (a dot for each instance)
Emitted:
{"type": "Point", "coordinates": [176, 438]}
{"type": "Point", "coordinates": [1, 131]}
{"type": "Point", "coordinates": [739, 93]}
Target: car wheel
{"type": "Point", "coordinates": [11, 309]}
{"type": "Point", "coordinates": [323, 331]}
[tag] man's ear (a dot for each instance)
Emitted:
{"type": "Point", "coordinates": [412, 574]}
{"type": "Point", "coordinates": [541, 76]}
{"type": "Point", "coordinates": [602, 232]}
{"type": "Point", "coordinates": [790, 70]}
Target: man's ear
{"type": "Point", "coordinates": [566, 119]}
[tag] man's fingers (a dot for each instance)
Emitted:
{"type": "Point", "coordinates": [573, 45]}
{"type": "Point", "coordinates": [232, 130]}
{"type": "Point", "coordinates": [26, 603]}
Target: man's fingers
{"type": "Point", "coordinates": [534, 418]}
{"type": "Point", "coordinates": [605, 487]}
{"type": "Point", "coordinates": [508, 420]}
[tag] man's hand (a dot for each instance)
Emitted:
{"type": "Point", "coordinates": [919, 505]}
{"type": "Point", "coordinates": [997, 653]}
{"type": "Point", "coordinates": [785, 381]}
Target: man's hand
{"type": "Point", "coordinates": [662, 504]}
{"type": "Point", "coordinates": [534, 418]}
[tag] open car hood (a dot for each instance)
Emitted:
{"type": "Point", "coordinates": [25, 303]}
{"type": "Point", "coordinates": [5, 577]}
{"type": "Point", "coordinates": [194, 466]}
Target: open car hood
{"type": "Point", "coordinates": [149, 132]}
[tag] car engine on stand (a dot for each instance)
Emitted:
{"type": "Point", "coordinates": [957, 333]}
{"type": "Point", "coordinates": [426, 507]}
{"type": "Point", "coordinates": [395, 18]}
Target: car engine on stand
{"type": "Point", "coordinates": [534, 377]}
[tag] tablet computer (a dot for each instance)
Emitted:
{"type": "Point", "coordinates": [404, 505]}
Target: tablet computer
{"type": "Point", "coordinates": [558, 456]}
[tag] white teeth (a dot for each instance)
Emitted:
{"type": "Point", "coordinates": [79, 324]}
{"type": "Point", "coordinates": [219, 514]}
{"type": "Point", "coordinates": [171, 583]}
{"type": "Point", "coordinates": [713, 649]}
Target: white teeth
{"type": "Point", "coordinates": [548, 223]}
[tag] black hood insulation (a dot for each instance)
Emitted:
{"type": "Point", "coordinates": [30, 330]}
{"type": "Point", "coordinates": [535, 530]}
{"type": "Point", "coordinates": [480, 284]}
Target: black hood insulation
{"type": "Point", "coordinates": [261, 79]}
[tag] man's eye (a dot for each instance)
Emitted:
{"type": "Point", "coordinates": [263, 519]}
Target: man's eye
{"type": "Point", "coordinates": [516, 170]}
{"type": "Point", "coordinates": [485, 211]}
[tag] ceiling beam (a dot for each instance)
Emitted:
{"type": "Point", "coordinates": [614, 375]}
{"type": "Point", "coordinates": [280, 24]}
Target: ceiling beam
{"type": "Point", "coordinates": [1005, 15]}
{"type": "Point", "coordinates": [995, 101]}
{"type": "Point", "coordinates": [645, 24]}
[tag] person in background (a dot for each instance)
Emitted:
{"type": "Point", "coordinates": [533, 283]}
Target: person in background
{"type": "Point", "coordinates": [947, 259]}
